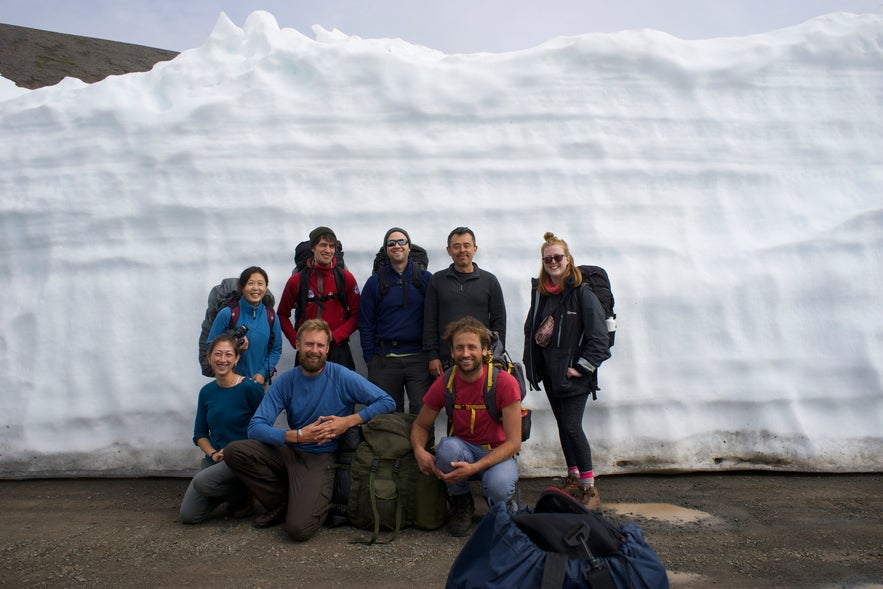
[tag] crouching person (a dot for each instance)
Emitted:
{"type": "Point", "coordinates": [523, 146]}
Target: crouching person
{"type": "Point", "coordinates": [478, 447]}
{"type": "Point", "coordinates": [223, 412]}
{"type": "Point", "coordinates": [289, 471]}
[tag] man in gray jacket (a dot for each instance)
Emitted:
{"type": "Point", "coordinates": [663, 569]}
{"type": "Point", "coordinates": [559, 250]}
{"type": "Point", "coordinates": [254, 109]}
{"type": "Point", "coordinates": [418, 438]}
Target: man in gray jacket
{"type": "Point", "coordinates": [459, 291]}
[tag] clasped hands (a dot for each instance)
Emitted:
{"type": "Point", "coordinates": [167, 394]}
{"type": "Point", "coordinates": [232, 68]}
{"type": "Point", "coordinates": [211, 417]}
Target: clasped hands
{"type": "Point", "coordinates": [324, 429]}
{"type": "Point", "coordinates": [461, 470]}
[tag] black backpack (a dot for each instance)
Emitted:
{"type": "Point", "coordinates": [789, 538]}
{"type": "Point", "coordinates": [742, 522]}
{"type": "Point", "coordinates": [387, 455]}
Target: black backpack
{"type": "Point", "coordinates": [347, 444]}
{"type": "Point", "coordinates": [419, 262]}
{"type": "Point", "coordinates": [502, 360]}
{"type": "Point", "coordinates": [596, 278]}
{"type": "Point", "coordinates": [303, 253]}
{"type": "Point", "coordinates": [226, 294]}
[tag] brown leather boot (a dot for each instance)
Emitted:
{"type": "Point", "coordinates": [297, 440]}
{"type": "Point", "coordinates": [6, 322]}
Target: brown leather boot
{"type": "Point", "coordinates": [462, 510]}
{"type": "Point", "coordinates": [590, 498]}
{"type": "Point", "coordinates": [273, 517]}
{"type": "Point", "coordinates": [572, 487]}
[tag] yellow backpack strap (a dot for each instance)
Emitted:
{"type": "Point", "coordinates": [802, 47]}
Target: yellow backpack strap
{"type": "Point", "coordinates": [451, 405]}
{"type": "Point", "coordinates": [450, 384]}
{"type": "Point", "coordinates": [449, 398]}
{"type": "Point", "coordinates": [490, 373]}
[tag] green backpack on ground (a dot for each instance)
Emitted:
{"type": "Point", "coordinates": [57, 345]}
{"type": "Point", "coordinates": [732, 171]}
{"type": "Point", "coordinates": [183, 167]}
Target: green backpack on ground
{"type": "Point", "coordinates": [387, 490]}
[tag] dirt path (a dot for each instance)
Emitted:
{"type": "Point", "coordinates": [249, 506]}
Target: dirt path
{"type": "Point", "coordinates": [731, 530]}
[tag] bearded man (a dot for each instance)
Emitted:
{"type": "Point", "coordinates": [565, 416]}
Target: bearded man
{"type": "Point", "coordinates": [478, 446]}
{"type": "Point", "coordinates": [290, 470]}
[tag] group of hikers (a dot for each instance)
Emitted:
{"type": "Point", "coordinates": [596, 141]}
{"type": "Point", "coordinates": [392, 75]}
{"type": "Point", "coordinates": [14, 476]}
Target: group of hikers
{"type": "Point", "coordinates": [423, 335]}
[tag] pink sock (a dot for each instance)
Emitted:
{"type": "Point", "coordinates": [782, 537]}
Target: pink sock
{"type": "Point", "coordinates": [573, 472]}
{"type": "Point", "coordinates": [587, 479]}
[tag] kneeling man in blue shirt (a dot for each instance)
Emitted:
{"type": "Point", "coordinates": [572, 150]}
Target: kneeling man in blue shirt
{"type": "Point", "coordinates": [289, 471]}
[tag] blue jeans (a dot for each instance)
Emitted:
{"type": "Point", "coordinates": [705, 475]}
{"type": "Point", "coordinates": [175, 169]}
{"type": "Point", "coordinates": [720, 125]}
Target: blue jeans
{"type": "Point", "coordinates": [497, 482]}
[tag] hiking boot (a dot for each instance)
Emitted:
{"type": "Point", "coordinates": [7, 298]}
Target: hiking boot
{"type": "Point", "coordinates": [462, 509]}
{"type": "Point", "coordinates": [590, 498]}
{"type": "Point", "coordinates": [273, 517]}
{"type": "Point", "coordinates": [241, 510]}
{"type": "Point", "coordinates": [572, 487]}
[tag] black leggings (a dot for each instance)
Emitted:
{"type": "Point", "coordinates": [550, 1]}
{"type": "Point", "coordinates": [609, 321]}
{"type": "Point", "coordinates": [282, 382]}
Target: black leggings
{"type": "Point", "coordinates": [568, 413]}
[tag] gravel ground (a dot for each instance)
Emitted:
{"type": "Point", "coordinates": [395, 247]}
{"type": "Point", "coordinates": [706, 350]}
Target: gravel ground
{"type": "Point", "coordinates": [758, 530]}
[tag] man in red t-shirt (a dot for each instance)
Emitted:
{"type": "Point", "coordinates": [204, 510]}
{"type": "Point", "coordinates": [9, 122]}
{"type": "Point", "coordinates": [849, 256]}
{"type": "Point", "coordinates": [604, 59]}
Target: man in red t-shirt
{"type": "Point", "coordinates": [478, 447]}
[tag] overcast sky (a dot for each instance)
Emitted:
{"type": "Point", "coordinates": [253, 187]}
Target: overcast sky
{"type": "Point", "coordinates": [452, 26]}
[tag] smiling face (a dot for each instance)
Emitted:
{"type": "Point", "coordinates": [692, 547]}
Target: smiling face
{"type": "Point", "coordinates": [398, 254]}
{"type": "Point", "coordinates": [555, 262]}
{"type": "Point", "coordinates": [223, 358]}
{"type": "Point", "coordinates": [312, 349]}
{"type": "Point", "coordinates": [468, 353]}
{"type": "Point", "coordinates": [462, 248]}
{"type": "Point", "coordinates": [324, 251]}
{"type": "Point", "coordinates": [255, 289]}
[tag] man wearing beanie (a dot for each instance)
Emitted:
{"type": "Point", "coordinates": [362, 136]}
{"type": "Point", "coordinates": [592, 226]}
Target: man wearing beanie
{"type": "Point", "coordinates": [391, 323]}
{"type": "Point", "coordinates": [323, 290]}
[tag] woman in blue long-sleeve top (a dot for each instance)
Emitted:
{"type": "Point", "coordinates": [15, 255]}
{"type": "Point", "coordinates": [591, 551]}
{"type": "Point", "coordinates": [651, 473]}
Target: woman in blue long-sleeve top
{"type": "Point", "coordinates": [224, 408]}
{"type": "Point", "coordinates": [261, 347]}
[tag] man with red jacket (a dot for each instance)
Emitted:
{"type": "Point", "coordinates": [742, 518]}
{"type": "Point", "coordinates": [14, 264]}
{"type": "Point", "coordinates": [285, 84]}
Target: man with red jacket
{"type": "Point", "coordinates": [330, 293]}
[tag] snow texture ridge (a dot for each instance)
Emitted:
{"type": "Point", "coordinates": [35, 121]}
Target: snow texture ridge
{"type": "Point", "coordinates": [731, 187]}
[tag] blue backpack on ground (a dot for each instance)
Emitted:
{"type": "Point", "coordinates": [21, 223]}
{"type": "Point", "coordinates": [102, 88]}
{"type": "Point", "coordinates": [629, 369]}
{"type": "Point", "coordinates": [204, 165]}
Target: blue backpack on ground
{"type": "Point", "coordinates": [560, 543]}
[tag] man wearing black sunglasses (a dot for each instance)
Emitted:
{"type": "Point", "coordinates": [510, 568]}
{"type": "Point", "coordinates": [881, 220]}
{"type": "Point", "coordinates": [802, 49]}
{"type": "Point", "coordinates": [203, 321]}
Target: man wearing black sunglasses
{"type": "Point", "coordinates": [391, 321]}
{"type": "Point", "coordinates": [459, 291]}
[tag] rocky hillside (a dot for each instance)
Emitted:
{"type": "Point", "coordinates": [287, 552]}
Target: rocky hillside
{"type": "Point", "coordinates": [33, 58]}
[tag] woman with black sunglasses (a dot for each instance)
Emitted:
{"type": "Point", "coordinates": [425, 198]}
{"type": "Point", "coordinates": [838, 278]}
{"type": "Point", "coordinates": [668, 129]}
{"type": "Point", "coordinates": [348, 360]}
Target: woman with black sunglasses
{"type": "Point", "coordinates": [565, 340]}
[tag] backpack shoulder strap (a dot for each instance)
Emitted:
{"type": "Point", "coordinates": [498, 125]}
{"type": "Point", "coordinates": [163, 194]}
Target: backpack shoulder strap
{"type": "Point", "coordinates": [449, 390]}
{"type": "Point", "coordinates": [303, 291]}
{"type": "Point", "coordinates": [383, 277]}
{"type": "Point", "coordinates": [490, 398]}
{"type": "Point", "coordinates": [340, 279]}
{"type": "Point", "coordinates": [417, 277]}
{"type": "Point", "coordinates": [450, 395]}
{"type": "Point", "coordinates": [490, 393]}
{"type": "Point", "coordinates": [554, 570]}
{"type": "Point", "coordinates": [234, 314]}
{"type": "Point", "coordinates": [271, 320]}
{"type": "Point", "coordinates": [383, 280]}
{"type": "Point", "coordinates": [304, 288]}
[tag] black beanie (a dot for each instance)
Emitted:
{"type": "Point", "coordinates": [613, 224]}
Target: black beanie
{"type": "Point", "coordinates": [318, 232]}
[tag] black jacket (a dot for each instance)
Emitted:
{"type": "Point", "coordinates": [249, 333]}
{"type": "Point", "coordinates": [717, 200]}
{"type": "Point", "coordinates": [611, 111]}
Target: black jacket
{"type": "Point", "coordinates": [579, 340]}
{"type": "Point", "coordinates": [452, 295]}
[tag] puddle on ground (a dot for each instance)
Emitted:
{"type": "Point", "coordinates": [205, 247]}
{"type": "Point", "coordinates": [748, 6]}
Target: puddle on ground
{"type": "Point", "coordinates": [676, 579]}
{"type": "Point", "coordinates": [661, 511]}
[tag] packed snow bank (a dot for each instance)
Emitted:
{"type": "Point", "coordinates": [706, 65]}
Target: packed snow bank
{"type": "Point", "coordinates": [730, 187]}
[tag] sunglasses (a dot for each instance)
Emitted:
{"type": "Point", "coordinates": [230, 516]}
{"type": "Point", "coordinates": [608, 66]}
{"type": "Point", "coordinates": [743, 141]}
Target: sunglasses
{"type": "Point", "coordinates": [394, 242]}
{"type": "Point", "coordinates": [556, 258]}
